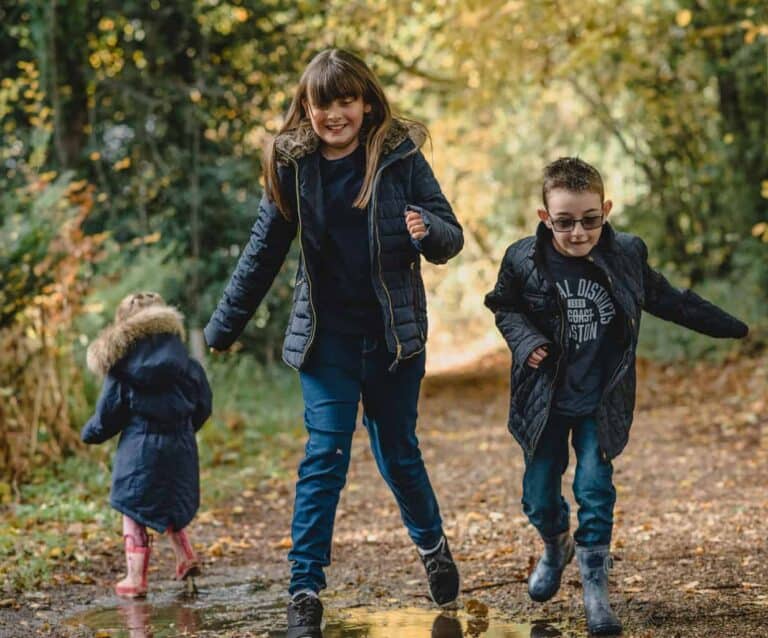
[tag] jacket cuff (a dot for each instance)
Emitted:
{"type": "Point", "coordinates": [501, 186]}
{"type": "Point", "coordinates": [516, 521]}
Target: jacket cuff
{"type": "Point", "coordinates": [214, 337]}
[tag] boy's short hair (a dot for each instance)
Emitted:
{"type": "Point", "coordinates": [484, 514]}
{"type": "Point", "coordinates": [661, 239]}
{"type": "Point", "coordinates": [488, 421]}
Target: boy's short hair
{"type": "Point", "coordinates": [131, 304]}
{"type": "Point", "coordinates": [573, 174]}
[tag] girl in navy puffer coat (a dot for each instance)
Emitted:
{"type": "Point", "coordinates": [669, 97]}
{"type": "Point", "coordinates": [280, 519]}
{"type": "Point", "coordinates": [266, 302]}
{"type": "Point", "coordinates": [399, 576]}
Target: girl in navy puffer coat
{"type": "Point", "coordinates": [156, 396]}
{"type": "Point", "coordinates": [351, 181]}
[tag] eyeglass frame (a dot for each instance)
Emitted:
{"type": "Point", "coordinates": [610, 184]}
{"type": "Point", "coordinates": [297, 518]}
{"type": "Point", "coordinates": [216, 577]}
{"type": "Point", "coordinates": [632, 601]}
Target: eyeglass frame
{"type": "Point", "coordinates": [573, 223]}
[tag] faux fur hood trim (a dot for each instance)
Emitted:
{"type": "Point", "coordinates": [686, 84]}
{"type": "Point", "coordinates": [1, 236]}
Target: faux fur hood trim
{"type": "Point", "coordinates": [303, 141]}
{"type": "Point", "coordinates": [114, 342]}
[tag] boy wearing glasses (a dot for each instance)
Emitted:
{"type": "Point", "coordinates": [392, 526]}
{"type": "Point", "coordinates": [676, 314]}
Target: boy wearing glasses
{"type": "Point", "coordinates": [568, 303]}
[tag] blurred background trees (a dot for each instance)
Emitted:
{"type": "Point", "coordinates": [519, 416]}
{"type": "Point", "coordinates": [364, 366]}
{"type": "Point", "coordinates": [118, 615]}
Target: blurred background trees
{"type": "Point", "coordinates": [132, 136]}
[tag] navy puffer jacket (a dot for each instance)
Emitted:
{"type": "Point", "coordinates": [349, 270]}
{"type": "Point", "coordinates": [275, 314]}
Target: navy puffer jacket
{"type": "Point", "coordinates": [156, 396]}
{"type": "Point", "coordinates": [404, 178]}
{"type": "Point", "coordinates": [529, 314]}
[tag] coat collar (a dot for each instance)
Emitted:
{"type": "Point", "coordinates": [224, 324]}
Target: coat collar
{"type": "Point", "coordinates": [302, 141]}
{"type": "Point", "coordinates": [114, 342]}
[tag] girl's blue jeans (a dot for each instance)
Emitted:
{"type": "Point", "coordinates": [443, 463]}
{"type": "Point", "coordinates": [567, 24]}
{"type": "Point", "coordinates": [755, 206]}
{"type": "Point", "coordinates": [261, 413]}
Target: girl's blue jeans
{"type": "Point", "coordinates": [593, 489]}
{"type": "Point", "coordinates": [340, 371]}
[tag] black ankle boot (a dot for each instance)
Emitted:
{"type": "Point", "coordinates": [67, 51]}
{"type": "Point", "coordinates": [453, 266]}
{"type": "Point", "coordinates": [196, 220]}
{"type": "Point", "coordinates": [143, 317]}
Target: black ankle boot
{"type": "Point", "coordinates": [305, 614]}
{"type": "Point", "coordinates": [544, 580]}
{"type": "Point", "coordinates": [594, 565]}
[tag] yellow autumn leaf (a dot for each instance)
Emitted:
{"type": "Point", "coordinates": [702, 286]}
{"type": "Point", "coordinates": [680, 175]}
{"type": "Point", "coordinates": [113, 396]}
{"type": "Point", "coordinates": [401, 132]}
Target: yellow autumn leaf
{"type": "Point", "coordinates": [760, 229]}
{"type": "Point", "coordinates": [122, 164]}
{"type": "Point", "coordinates": [764, 188]}
{"type": "Point", "coordinates": [283, 543]}
{"type": "Point", "coordinates": [683, 18]}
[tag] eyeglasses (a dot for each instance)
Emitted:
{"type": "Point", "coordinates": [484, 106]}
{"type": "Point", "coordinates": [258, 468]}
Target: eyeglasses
{"type": "Point", "coordinates": [567, 224]}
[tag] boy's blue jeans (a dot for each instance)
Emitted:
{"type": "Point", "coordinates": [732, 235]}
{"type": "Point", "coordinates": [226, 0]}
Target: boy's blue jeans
{"type": "Point", "coordinates": [543, 502]}
{"type": "Point", "coordinates": [342, 369]}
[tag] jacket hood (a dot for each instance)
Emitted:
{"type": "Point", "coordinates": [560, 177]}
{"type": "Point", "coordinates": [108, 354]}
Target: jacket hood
{"type": "Point", "coordinates": [303, 140]}
{"type": "Point", "coordinates": [117, 340]}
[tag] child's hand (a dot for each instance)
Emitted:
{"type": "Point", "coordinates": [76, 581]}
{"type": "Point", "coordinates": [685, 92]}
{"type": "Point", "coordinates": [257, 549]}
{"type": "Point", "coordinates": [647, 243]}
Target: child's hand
{"type": "Point", "coordinates": [537, 356]}
{"type": "Point", "coordinates": [415, 223]}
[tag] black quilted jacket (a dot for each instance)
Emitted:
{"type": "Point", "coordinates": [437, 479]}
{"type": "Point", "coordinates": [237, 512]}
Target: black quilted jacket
{"type": "Point", "coordinates": [403, 177]}
{"type": "Point", "coordinates": [529, 314]}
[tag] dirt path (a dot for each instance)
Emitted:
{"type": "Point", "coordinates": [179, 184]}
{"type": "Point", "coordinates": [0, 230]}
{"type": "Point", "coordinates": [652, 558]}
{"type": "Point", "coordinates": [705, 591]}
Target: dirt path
{"type": "Point", "coordinates": [691, 557]}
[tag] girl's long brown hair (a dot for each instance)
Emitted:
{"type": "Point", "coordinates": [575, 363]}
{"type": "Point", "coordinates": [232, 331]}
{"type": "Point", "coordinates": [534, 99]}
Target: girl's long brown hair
{"type": "Point", "coordinates": [330, 75]}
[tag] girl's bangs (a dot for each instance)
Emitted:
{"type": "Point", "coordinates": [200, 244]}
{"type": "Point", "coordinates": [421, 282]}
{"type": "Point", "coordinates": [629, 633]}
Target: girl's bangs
{"type": "Point", "coordinates": [332, 82]}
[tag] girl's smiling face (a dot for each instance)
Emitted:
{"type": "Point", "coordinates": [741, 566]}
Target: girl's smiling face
{"type": "Point", "coordinates": [565, 206]}
{"type": "Point", "coordinates": [338, 124]}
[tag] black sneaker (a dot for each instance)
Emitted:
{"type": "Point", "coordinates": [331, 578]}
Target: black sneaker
{"type": "Point", "coordinates": [442, 575]}
{"type": "Point", "coordinates": [305, 613]}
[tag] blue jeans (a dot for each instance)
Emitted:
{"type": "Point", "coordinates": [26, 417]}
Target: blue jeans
{"type": "Point", "coordinates": [341, 369]}
{"type": "Point", "coordinates": [543, 502]}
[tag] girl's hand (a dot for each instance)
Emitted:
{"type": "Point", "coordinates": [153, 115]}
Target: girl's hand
{"type": "Point", "coordinates": [537, 356]}
{"type": "Point", "coordinates": [415, 224]}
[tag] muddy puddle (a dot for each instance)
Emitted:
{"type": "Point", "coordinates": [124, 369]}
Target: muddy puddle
{"type": "Point", "coordinates": [248, 609]}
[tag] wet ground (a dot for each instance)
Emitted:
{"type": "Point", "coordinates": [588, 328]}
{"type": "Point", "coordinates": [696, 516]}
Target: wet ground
{"type": "Point", "coordinates": [227, 608]}
{"type": "Point", "coordinates": [690, 551]}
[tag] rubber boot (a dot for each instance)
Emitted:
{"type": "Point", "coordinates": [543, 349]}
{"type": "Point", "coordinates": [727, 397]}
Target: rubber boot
{"type": "Point", "coordinates": [544, 580]}
{"type": "Point", "coordinates": [134, 585]}
{"type": "Point", "coordinates": [594, 565]}
{"type": "Point", "coordinates": [187, 563]}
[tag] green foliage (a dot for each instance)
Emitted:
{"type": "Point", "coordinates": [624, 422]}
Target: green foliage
{"type": "Point", "coordinates": [30, 220]}
{"type": "Point", "coordinates": [253, 403]}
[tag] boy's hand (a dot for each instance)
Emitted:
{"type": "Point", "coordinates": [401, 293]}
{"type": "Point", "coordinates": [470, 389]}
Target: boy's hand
{"type": "Point", "coordinates": [415, 224]}
{"type": "Point", "coordinates": [537, 356]}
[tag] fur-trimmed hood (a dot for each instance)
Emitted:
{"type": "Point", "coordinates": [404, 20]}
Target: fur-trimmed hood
{"type": "Point", "coordinates": [302, 141]}
{"type": "Point", "coordinates": [116, 340]}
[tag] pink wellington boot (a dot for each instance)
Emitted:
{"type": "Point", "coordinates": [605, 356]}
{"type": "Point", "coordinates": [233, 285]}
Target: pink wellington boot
{"type": "Point", "coordinates": [134, 585]}
{"type": "Point", "coordinates": [187, 563]}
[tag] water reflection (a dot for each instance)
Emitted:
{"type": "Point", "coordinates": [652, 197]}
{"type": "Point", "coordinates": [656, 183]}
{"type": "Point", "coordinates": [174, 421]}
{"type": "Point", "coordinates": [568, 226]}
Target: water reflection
{"type": "Point", "coordinates": [424, 623]}
{"type": "Point", "coordinates": [545, 631]}
{"type": "Point", "coordinates": [236, 609]}
{"type": "Point", "coordinates": [140, 619]}
{"type": "Point", "coordinates": [446, 627]}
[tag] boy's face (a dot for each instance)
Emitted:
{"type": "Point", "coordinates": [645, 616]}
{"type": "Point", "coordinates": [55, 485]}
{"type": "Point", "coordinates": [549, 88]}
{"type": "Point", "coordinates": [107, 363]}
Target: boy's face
{"type": "Point", "coordinates": [586, 209]}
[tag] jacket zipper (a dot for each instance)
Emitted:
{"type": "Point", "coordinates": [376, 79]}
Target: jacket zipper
{"type": "Point", "coordinates": [622, 365]}
{"type": "Point", "coordinates": [306, 269]}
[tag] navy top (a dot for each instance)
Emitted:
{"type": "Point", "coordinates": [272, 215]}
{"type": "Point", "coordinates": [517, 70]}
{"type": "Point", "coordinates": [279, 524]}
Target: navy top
{"type": "Point", "coordinates": [347, 303]}
{"type": "Point", "coordinates": [590, 313]}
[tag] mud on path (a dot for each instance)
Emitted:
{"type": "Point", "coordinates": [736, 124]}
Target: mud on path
{"type": "Point", "coordinates": [690, 548]}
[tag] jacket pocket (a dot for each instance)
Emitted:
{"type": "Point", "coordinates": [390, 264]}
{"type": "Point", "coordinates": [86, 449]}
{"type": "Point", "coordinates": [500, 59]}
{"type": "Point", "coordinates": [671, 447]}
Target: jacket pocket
{"type": "Point", "coordinates": [300, 281]}
{"type": "Point", "coordinates": [419, 299]}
